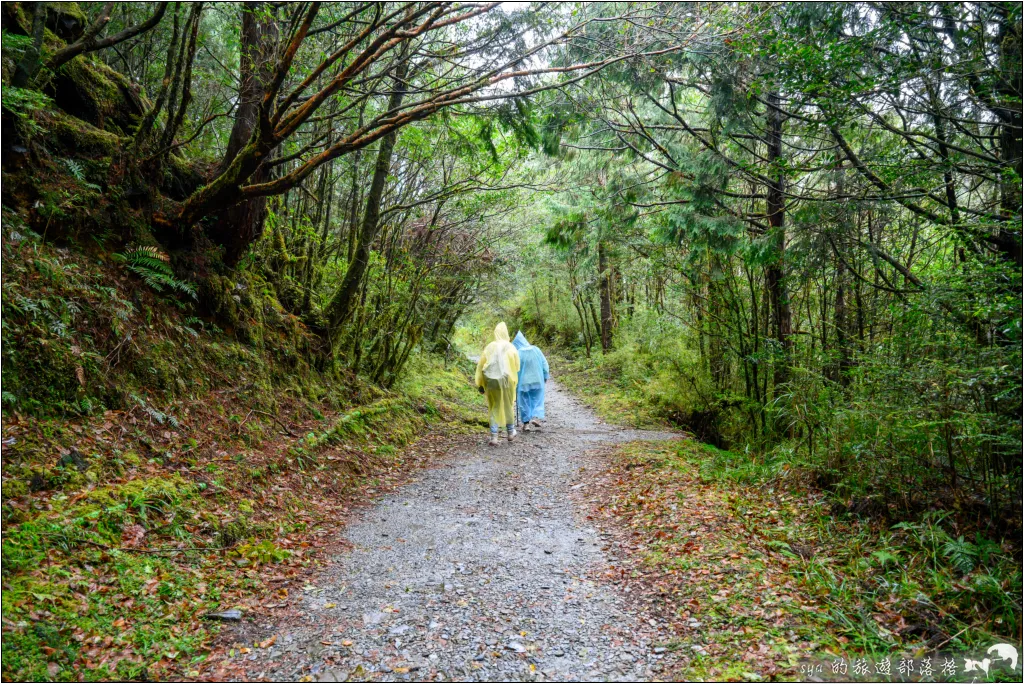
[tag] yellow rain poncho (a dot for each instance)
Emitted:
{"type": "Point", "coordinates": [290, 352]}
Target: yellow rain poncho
{"type": "Point", "coordinates": [497, 372]}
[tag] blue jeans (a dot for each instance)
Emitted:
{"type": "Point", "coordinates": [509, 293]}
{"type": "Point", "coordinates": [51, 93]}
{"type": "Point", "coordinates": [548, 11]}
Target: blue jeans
{"type": "Point", "coordinates": [495, 428]}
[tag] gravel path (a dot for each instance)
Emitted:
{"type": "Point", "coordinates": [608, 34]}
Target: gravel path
{"type": "Point", "coordinates": [478, 571]}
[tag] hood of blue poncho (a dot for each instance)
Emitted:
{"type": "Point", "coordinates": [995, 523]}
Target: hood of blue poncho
{"type": "Point", "coordinates": [520, 341]}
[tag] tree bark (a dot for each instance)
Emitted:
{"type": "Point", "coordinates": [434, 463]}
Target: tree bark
{"type": "Point", "coordinates": [1008, 240]}
{"type": "Point", "coordinates": [28, 65]}
{"type": "Point", "coordinates": [842, 366]}
{"type": "Point", "coordinates": [605, 284]}
{"type": "Point", "coordinates": [182, 80]}
{"type": "Point", "coordinates": [782, 317]}
{"type": "Point", "coordinates": [241, 224]}
{"type": "Point", "coordinates": [340, 307]}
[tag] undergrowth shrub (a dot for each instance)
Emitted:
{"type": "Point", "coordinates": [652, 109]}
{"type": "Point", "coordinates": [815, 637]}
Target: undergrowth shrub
{"type": "Point", "coordinates": [957, 580]}
{"type": "Point", "coordinates": [917, 422]}
{"type": "Point", "coordinates": [80, 337]}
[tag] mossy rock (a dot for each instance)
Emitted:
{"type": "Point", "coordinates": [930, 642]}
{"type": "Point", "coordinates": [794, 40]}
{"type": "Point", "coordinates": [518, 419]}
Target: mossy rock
{"type": "Point", "coordinates": [71, 137]}
{"type": "Point", "coordinates": [14, 19]}
{"type": "Point", "coordinates": [83, 87]}
{"type": "Point", "coordinates": [96, 94]}
{"type": "Point", "coordinates": [181, 178]}
{"type": "Point", "coordinates": [66, 20]}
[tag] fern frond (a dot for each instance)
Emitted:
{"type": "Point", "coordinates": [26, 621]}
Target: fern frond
{"type": "Point", "coordinates": [962, 554]}
{"type": "Point", "coordinates": [75, 168]}
{"type": "Point", "coordinates": [152, 265]}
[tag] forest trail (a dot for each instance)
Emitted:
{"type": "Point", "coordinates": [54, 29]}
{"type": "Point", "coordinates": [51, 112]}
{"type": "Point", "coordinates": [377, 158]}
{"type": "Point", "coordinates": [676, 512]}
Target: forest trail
{"type": "Point", "coordinates": [478, 570]}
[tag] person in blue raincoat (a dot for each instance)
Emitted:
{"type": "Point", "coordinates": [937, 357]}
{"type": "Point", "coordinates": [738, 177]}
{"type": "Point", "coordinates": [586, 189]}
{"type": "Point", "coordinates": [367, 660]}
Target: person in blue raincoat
{"type": "Point", "coordinates": [533, 373]}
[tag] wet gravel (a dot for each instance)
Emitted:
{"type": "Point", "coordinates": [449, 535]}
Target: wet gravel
{"type": "Point", "coordinates": [478, 571]}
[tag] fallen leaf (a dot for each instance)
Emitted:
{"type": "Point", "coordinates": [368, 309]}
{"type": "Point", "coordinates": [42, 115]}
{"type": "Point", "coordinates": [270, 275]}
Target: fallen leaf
{"type": "Point", "coordinates": [132, 536]}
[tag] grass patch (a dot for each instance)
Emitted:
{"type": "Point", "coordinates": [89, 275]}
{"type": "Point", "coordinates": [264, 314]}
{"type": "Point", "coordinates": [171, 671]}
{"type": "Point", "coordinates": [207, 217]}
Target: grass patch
{"type": "Point", "coordinates": [757, 571]}
{"type": "Point", "coordinates": [108, 571]}
{"type": "Point", "coordinates": [615, 396]}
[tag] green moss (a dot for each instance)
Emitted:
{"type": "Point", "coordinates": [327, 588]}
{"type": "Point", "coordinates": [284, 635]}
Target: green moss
{"type": "Point", "coordinates": [149, 623]}
{"type": "Point", "coordinates": [66, 348]}
{"type": "Point", "coordinates": [117, 100]}
{"type": "Point", "coordinates": [66, 19]}
{"type": "Point", "coordinates": [98, 516]}
{"type": "Point", "coordinates": [141, 498]}
{"type": "Point", "coordinates": [97, 93]}
{"type": "Point", "coordinates": [160, 367]}
{"type": "Point", "coordinates": [391, 416]}
{"type": "Point", "coordinates": [44, 374]}
{"type": "Point", "coordinates": [13, 488]}
{"type": "Point", "coordinates": [73, 137]}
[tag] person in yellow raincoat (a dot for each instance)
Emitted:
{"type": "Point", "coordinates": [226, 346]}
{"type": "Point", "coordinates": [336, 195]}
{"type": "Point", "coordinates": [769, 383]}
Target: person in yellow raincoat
{"type": "Point", "coordinates": [497, 373]}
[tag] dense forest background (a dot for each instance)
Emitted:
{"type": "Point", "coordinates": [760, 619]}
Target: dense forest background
{"type": "Point", "coordinates": [791, 229]}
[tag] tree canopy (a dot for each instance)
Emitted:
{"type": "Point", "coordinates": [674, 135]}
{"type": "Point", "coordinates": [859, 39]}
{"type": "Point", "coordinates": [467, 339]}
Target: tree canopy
{"type": "Point", "coordinates": [820, 196]}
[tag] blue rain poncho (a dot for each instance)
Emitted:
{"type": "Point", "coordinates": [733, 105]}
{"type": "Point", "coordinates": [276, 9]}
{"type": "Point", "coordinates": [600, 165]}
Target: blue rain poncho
{"type": "Point", "coordinates": [533, 373]}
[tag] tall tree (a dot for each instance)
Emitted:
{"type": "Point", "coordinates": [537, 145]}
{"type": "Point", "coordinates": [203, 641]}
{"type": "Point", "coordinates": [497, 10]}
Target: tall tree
{"type": "Point", "coordinates": [237, 226]}
{"type": "Point", "coordinates": [342, 303]}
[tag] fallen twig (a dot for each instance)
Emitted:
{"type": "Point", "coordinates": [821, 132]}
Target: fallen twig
{"type": "Point", "coordinates": [277, 420]}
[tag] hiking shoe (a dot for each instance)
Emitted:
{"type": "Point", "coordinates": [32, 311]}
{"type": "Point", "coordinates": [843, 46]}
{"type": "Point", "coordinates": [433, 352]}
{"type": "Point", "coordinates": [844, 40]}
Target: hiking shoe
{"type": "Point", "coordinates": [512, 435]}
{"type": "Point", "coordinates": [526, 427]}
{"type": "Point", "coordinates": [536, 424]}
{"type": "Point", "coordinates": [494, 440]}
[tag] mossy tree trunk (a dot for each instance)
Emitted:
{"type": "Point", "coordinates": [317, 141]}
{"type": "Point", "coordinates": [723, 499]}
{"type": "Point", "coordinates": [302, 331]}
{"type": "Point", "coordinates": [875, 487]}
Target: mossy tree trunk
{"type": "Point", "coordinates": [782, 317]}
{"type": "Point", "coordinates": [605, 285]}
{"type": "Point", "coordinates": [241, 224]}
{"type": "Point", "coordinates": [28, 66]}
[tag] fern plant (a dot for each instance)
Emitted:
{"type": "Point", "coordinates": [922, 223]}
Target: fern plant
{"type": "Point", "coordinates": [159, 416]}
{"type": "Point", "coordinates": [24, 103]}
{"type": "Point", "coordinates": [962, 554]}
{"type": "Point", "coordinates": [151, 265]}
{"type": "Point", "coordinates": [76, 169]}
